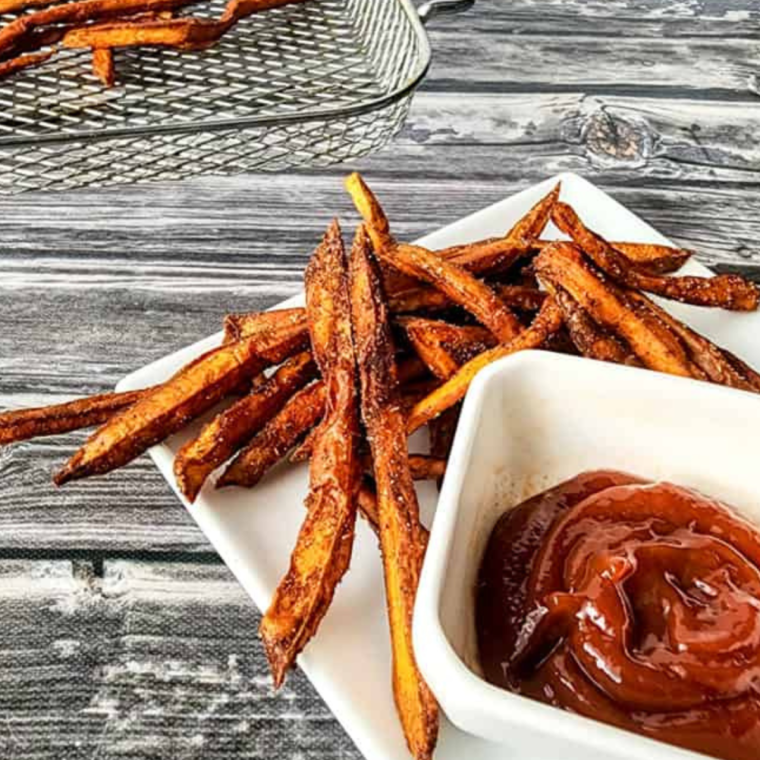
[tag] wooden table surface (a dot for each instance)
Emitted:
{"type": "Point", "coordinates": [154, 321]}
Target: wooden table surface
{"type": "Point", "coordinates": [121, 634]}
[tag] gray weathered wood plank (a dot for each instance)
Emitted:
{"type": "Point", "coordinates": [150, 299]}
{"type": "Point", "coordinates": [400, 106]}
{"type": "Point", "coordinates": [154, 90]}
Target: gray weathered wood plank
{"type": "Point", "coordinates": [148, 661]}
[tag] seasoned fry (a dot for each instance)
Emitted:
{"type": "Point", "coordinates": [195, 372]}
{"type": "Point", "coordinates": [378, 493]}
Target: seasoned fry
{"type": "Point", "coordinates": [547, 322]}
{"type": "Point", "coordinates": [426, 298]}
{"type": "Point", "coordinates": [705, 354]}
{"type": "Point", "coordinates": [460, 286]}
{"type": "Point", "coordinates": [490, 256]}
{"type": "Point", "coordinates": [442, 430]}
{"type": "Point", "coordinates": [402, 539]}
{"type": "Point", "coordinates": [235, 426]}
{"type": "Point", "coordinates": [170, 406]}
{"type": "Point", "coordinates": [276, 438]}
{"type": "Point", "coordinates": [727, 291]}
{"type": "Point", "coordinates": [255, 324]}
{"type": "Point", "coordinates": [103, 66]}
{"type": "Point", "coordinates": [323, 549]}
{"type": "Point", "coordinates": [591, 340]}
{"type": "Point", "coordinates": [22, 424]}
{"type": "Point", "coordinates": [302, 452]}
{"type": "Point", "coordinates": [421, 466]}
{"type": "Point", "coordinates": [21, 30]}
{"type": "Point", "coordinates": [366, 501]}
{"type": "Point", "coordinates": [651, 258]}
{"type": "Point", "coordinates": [444, 347]}
{"type": "Point", "coordinates": [13, 65]}
{"type": "Point", "coordinates": [371, 211]}
{"type": "Point", "coordinates": [563, 265]}
{"type": "Point", "coordinates": [532, 224]}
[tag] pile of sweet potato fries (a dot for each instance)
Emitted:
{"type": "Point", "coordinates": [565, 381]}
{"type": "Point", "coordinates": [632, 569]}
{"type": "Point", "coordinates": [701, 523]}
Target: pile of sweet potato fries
{"type": "Point", "coordinates": [32, 38]}
{"type": "Point", "coordinates": [391, 336]}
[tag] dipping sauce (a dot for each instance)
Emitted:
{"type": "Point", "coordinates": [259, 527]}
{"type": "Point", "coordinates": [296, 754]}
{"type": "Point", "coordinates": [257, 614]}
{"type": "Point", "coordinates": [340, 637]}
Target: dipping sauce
{"type": "Point", "coordinates": [634, 603]}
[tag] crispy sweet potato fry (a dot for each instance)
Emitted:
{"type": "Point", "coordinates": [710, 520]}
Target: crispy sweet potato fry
{"type": "Point", "coordinates": [426, 298]}
{"type": "Point", "coordinates": [21, 424]}
{"type": "Point", "coordinates": [547, 322]}
{"type": "Point", "coordinates": [323, 549]}
{"type": "Point", "coordinates": [276, 438]}
{"type": "Point", "coordinates": [728, 291]}
{"type": "Point", "coordinates": [402, 539]}
{"type": "Point", "coordinates": [460, 286]}
{"type": "Point", "coordinates": [302, 452]}
{"type": "Point", "coordinates": [170, 406]}
{"type": "Point", "coordinates": [442, 430]}
{"type": "Point", "coordinates": [563, 265]}
{"type": "Point", "coordinates": [705, 354]}
{"type": "Point", "coordinates": [235, 426]}
{"type": "Point", "coordinates": [12, 65]}
{"type": "Point", "coordinates": [646, 257]}
{"type": "Point", "coordinates": [532, 224]}
{"type": "Point", "coordinates": [103, 66]}
{"type": "Point", "coordinates": [421, 466]}
{"type": "Point", "coordinates": [371, 211]}
{"type": "Point", "coordinates": [14, 35]}
{"type": "Point", "coordinates": [183, 33]}
{"type": "Point", "coordinates": [590, 339]}
{"type": "Point", "coordinates": [444, 347]}
{"type": "Point", "coordinates": [254, 324]}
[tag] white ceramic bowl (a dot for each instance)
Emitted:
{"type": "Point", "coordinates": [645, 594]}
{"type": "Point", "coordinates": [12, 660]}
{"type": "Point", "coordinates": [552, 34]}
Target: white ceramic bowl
{"type": "Point", "coordinates": [529, 422]}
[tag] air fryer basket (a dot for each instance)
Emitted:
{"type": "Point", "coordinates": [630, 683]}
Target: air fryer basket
{"type": "Point", "coordinates": [304, 85]}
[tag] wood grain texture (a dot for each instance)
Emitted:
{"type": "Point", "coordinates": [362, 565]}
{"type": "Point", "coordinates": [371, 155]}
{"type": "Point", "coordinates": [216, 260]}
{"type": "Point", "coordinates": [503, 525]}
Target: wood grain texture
{"type": "Point", "coordinates": [144, 661]}
{"type": "Point", "coordinates": [103, 656]}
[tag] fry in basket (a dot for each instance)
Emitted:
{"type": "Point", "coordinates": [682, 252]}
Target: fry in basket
{"type": "Point", "coordinates": [727, 291]}
{"type": "Point", "coordinates": [296, 418]}
{"type": "Point", "coordinates": [589, 338]}
{"type": "Point", "coordinates": [402, 538]}
{"type": "Point", "coordinates": [563, 265]}
{"type": "Point", "coordinates": [548, 321]}
{"type": "Point", "coordinates": [170, 406]}
{"type": "Point", "coordinates": [323, 548]}
{"type": "Point", "coordinates": [235, 426]}
{"type": "Point", "coordinates": [12, 65]}
{"type": "Point", "coordinates": [103, 66]}
{"type": "Point", "coordinates": [22, 424]}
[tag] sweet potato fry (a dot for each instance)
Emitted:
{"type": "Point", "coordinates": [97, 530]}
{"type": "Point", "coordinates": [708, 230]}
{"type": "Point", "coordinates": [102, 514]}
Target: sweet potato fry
{"type": "Point", "coordinates": [402, 538]}
{"type": "Point", "coordinates": [323, 549]}
{"type": "Point", "coordinates": [22, 424]}
{"type": "Point", "coordinates": [489, 256]}
{"type": "Point", "coordinates": [170, 406]}
{"type": "Point", "coordinates": [727, 291]}
{"type": "Point", "coordinates": [589, 338]}
{"type": "Point", "coordinates": [235, 426]}
{"type": "Point", "coordinates": [276, 438]}
{"type": "Point", "coordinates": [442, 430]}
{"type": "Point", "coordinates": [444, 347]}
{"type": "Point", "coordinates": [14, 35]}
{"type": "Point", "coordinates": [12, 65]}
{"type": "Point", "coordinates": [371, 211]}
{"type": "Point", "coordinates": [562, 265]}
{"type": "Point", "coordinates": [547, 322]}
{"type": "Point", "coordinates": [421, 466]}
{"type": "Point", "coordinates": [532, 224]}
{"type": "Point", "coordinates": [460, 286]}
{"type": "Point", "coordinates": [646, 257]}
{"type": "Point", "coordinates": [183, 33]}
{"type": "Point", "coordinates": [426, 298]}
{"type": "Point", "coordinates": [258, 323]}
{"type": "Point", "coordinates": [705, 354]}
{"type": "Point", "coordinates": [302, 452]}
{"type": "Point", "coordinates": [103, 66]}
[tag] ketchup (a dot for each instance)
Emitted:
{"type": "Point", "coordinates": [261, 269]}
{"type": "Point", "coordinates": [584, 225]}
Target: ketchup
{"type": "Point", "coordinates": [634, 603]}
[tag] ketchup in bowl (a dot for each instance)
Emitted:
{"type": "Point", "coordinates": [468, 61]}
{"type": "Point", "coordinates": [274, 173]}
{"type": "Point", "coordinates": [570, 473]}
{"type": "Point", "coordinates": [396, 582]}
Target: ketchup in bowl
{"type": "Point", "coordinates": [634, 603]}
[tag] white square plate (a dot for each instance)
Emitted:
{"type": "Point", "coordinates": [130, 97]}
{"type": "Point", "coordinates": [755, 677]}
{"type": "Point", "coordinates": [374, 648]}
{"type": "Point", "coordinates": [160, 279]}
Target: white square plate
{"type": "Point", "coordinates": [349, 661]}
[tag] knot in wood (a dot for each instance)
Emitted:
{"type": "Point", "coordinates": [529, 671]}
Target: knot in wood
{"type": "Point", "coordinates": [614, 139]}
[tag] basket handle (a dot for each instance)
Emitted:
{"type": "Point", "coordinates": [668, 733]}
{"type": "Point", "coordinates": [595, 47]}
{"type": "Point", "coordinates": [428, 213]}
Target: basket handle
{"type": "Point", "coordinates": [429, 10]}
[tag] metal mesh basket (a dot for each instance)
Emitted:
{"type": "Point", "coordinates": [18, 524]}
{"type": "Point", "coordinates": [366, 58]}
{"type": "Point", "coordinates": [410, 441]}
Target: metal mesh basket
{"type": "Point", "coordinates": [303, 85]}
